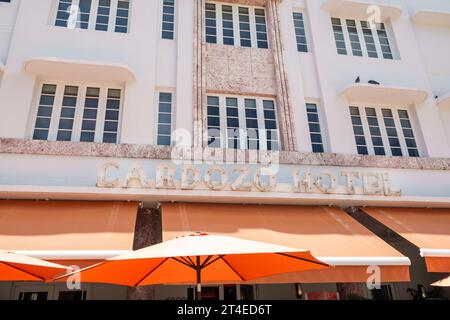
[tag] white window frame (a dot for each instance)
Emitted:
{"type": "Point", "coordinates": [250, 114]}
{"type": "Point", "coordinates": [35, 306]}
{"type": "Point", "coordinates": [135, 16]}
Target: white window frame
{"type": "Point", "coordinates": [307, 34]}
{"type": "Point", "coordinates": [236, 29]}
{"type": "Point", "coordinates": [242, 121]}
{"type": "Point", "coordinates": [76, 129]}
{"type": "Point", "coordinates": [175, 18]}
{"type": "Point", "coordinates": [93, 16]}
{"type": "Point", "coordinates": [362, 40]}
{"type": "Point", "coordinates": [172, 114]}
{"type": "Point", "coordinates": [382, 126]}
{"type": "Point", "coordinates": [323, 126]}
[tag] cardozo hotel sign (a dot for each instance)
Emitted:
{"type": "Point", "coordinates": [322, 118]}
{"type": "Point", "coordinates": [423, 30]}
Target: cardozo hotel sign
{"type": "Point", "coordinates": [242, 178]}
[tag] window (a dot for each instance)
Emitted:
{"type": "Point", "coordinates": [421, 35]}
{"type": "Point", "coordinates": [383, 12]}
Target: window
{"type": "Point", "coordinates": [242, 123]}
{"type": "Point", "coordinates": [227, 25]}
{"type": "Point", "coordinates": [300, 34]}
{"type": "Point", "coordinates": [210, 23]}
{"type": "Point", "coordinates": [112, 116]}
{"type": "Point", "coordinates": [233, 137]}
{"type": "Point", "coordinates": [123, 11]}
{"type": "Point", "coordinates": [213, 122]}
{"type": "Point", "coordinates": [103, 12]}
{"type": "Point", "coordinates": [68, 108]}
{"type": "Point", "coordinates": [164, 135]}
{"type": "Point", "coordinates": [358, 130]}
{"type": "Point", "coordinates": [375, 132]}
{"type": "Point", "coordinates": [369, 40]}
{"type": "Point", "coordinates": [108, 15]}
{"type": "Point", "coordinates": [384, 41]}
{"type": "Point", "coordinates": [354, 38]}
{"type": "Point", "coordinates": [261, 28]}
{"type": "Point", "coordinates": [349, 33]}
{"type": "Point", "coordinates": [77, 113]}
{"type": "Point", "coordinates": [168, 19]}
{"type": "Point", "coordinates": [339, 36]}
{"type": "Point", "coordinates": [235, 25]}
{"type": "Point", "coordinates": [377, 128]}
{"type": "Point", "coordinates": [314, 127]}
{"type": "Point", "coordinates": [244, 27]}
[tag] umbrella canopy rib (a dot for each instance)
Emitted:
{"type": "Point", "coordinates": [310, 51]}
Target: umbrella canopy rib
{"type": "Point", "coordinates": [182, 260]}
{"type": "Point", "coordinates": [303, 259]}
{"type": "Point", "coordinates": [232, 268]}
{"type": "Point", "coordinates": [211, 262]}
{"type": "Point", "coordinates": [151, 271]}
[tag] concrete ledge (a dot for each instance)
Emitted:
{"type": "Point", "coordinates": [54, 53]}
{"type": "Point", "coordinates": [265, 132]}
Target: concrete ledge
{"type": "Point", "coordinates": [432, 18]}
{"type": "Point", "coordinates": [385, 95]}
{"type": "Point", "coordinates": [360, 9]}
{"type": "Point", "coordinates": [135, 151]}
{"type": "Point", "coordinates": [444, 101]}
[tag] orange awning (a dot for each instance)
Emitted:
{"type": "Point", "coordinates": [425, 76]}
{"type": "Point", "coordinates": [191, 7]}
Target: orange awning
{"type": "Point", "coordinates": [428, 229]}
{"type": "Point", "coordinates": [55, 229]}
{"type": "Point", "coordinates": [329, 234]}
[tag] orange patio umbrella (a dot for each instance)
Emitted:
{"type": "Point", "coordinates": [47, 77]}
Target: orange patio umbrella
{"type": "Point", "coordinates": [199, 258]}
{"type": "Point", "coordinates": [442, 283]}
{"type": "Point", "coordinates": [16, 267]}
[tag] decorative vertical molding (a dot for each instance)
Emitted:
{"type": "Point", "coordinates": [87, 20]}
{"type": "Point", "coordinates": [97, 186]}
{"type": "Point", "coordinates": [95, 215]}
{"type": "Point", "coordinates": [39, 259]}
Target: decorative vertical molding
{"type": "Point", "coordinates": [285, 112]}
{"type": "Point", "coordinates": [199, 125]}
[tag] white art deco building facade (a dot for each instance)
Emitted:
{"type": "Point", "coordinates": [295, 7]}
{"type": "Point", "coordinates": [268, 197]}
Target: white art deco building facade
{"type": "Point", "coordinates": [316, 124]}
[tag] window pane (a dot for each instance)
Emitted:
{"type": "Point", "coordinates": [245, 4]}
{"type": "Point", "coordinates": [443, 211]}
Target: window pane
{"type": "Point", "coordinates": [44, 114]}
{"type": "Point", "coordinates": [261, 27]}
{"type": "Point", "coordinates": [339, 36]}
{"type": "Point", "coordinates": [300, 33]}
{"type": "Point", "coordinates": [168, 19]}
{"type": "Point", "coordinates": [164, 119]}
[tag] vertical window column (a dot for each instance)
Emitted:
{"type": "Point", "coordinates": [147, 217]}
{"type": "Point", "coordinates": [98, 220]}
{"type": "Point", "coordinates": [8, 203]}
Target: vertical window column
{"type": "Point", "coordinates": [103, 12]}
{"type": "Point", "coordinates": [408, 133]}
{"type": "Point", "coordinates": [44, 112]}
{"type": "Point", "coordinates": [227, 25]}
{"type": "Point", "coordinates": [168, 20]}
{"type": "Point", "coordinates": [299, 25]}
{"type": "Point", "coordinates": [210, 23]}
{"type": "Point", "coordinates": [339, 36]}
{"type": "Point", "coordinates": [83, 14]}
{"type": "Point", "coordinates": [251, 119]}
{"type": "Point", "coordinates": [354, 38]}
{"type": "Point", "coordinates": [391, 131]}
{"type": "Point", "coordinates": [233, 134]}
{"type": "Point", "coordinates": [358, 130]}
{"type": "Point", "coordinates": [123, 12]}
{"type": "Point", "coordinates": [244, 27]}
{"type": "Point", "coordinates": [384, 41]}
{"type": "Point", "coordinates": [63, 13]}
{"type": "Point", "coordinates": [375, 132]}
{"type": "Point", "coordinates": [314, 127]}
{"type": "Point", "coordinates": [112, 116]}
{"type": "Point", "coordinates": [67, 116]}
{"type": "Point", "coordinates": [213, 122]}
{"type": "Point", "coordinates": [261, 28]}
{"type": "Point", "coordinates": [369, 39]}
{"type": "Point", "coordinates": [164, 135]}
{"type": "Point", "coordinates": [270, 123]}
{"type": "Point", "coordinates": [90, 113]}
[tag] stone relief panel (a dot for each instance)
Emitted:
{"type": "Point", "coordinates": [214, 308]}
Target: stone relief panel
{"type": "Point", "coordinates": [240, 70]}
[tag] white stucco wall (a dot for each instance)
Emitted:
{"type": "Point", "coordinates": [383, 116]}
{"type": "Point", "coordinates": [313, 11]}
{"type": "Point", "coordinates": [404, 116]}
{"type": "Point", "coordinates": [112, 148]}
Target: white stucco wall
{"type": "Point", "coordinates": [319, 75]}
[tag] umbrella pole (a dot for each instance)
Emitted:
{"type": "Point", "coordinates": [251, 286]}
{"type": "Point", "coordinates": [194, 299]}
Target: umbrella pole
{"type": "Point", "coordinates": [198, 295]}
